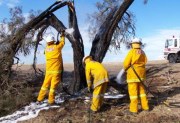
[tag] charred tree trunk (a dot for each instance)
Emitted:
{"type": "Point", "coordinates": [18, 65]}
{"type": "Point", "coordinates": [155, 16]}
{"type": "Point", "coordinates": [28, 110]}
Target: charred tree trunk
{"type": "Point", "coordinates": [78, 51]}
{"type": "Point", "coordinates": [77, 45]}
{"type": "Point", "coordinates": [102, 39]}
{"type": "Point", "coordinates": [79, 73]}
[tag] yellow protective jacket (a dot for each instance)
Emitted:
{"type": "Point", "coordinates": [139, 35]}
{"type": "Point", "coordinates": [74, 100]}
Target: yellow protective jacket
{"type": "Point", "coordinates": [138, 59]}
{"type": "Point", "coordinates": [54, 57]}
{"type": "Point", "coordinates": [97, 72]}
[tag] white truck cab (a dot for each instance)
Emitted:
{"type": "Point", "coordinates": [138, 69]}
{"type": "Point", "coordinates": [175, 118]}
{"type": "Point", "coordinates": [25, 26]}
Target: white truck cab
{"type": "Point", "coordinates": [172, 49]}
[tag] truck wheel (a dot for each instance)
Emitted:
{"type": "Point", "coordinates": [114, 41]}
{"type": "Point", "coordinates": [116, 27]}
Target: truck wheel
{"type": "Point", "coordinates": [172, 58]}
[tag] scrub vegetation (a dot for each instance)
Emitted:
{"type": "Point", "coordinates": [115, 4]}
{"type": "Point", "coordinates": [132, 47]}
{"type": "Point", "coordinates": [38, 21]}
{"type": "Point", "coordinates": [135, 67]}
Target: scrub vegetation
{"type": "Point", "coordinates": [20, 91]}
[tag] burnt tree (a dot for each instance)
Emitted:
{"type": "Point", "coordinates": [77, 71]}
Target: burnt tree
{"type": "Point", "coordinates": [100, 44]}
{"type": "Point", "coordinates": [102, 40]}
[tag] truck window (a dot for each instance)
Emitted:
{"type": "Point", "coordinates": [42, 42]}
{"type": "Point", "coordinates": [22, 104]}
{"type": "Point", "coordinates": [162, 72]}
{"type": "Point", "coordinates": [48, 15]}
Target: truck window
{"type": "Point", "coordinates": [175, 43]}
{"type": "Point", "coordinates": [169, 42]}
{"type": "Point", "coordinates": [166, 44]}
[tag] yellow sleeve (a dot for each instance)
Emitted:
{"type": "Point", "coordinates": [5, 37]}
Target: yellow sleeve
{"type": "Point", "coordinates": [88, 76]}
{"type": "Point", "coordinates": [127, 61]}
{"type": "Point", "coordinates": [145, 58]}
{"type": "Point", "coordinates": [62, 42]}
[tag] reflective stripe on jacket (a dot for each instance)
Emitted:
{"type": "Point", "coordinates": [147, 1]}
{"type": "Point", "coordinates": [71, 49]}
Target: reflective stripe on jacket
{"type": "Point", "coordinates": [97, 72]}
{"type": "Point", "coordinates": [54, 57]}
{"type": "Point", "coordinates": [138, 59]}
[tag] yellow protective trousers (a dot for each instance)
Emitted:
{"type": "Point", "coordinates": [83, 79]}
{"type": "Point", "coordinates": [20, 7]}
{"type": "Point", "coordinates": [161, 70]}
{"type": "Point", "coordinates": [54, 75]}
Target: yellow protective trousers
{"type": "Point", "coordinates": [98, 96]}
{"type": "Point", "coordinates": [51, 80]}
{"type": "Point", "coordinates": [136, 89]}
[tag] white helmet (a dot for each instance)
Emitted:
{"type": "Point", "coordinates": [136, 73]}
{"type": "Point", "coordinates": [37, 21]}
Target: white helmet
{"type": "Point", "coordinates": [50, 38]}
{"type": "Point", "coordinates": [136, 40]}
{"type": "Point", "coordinates": [85, 57]}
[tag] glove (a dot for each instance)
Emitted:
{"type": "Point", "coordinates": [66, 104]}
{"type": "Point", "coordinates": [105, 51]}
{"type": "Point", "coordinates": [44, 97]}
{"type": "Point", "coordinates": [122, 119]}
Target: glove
{"type": "Point", "coordinates": [62, 33]}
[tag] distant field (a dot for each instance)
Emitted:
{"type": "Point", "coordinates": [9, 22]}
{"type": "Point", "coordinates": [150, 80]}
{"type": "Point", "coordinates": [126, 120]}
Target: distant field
{"type": "Point", "coordinates": [111, 66]}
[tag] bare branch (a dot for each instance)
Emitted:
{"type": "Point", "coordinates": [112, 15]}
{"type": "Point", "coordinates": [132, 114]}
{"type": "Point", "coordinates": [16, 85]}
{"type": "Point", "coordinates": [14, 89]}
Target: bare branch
{"type": "Point", "coordinates": [39, 38]}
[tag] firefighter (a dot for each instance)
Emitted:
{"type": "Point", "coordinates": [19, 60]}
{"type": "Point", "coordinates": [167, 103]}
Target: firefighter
{"type": "Point", "coordinates": [54, 67]}
{"type": "Point", "coordinates": [136, 58]}
{"type": "Point", "coordinates": [95, 71]}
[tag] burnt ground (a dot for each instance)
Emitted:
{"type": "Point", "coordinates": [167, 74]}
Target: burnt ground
{"type": "Point", "coordinates": [163, 79]}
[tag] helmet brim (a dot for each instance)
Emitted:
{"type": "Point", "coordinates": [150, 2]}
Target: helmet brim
{"type": "Point", "coordinates": [84, 59]}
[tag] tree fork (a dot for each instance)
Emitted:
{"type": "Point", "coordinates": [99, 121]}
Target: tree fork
{"type": "Point", "coordinates": [102, 39]}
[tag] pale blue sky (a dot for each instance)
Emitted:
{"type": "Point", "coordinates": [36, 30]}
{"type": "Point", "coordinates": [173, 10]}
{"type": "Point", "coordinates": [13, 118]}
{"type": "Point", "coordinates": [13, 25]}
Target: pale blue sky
{"type": "Point", "coordinates": [155, 22]}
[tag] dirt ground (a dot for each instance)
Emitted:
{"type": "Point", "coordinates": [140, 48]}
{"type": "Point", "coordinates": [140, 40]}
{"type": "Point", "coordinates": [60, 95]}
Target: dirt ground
{"type": "Point", "coordinates": [163, 79]}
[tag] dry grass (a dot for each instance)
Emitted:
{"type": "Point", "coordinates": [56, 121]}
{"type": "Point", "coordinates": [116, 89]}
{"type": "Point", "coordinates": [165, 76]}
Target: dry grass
{"type": "Point", "coordinates": [163, 78]}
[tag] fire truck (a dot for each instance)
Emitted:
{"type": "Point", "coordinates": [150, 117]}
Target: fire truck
{"type": "Point", "coordinates": [172, 50]}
